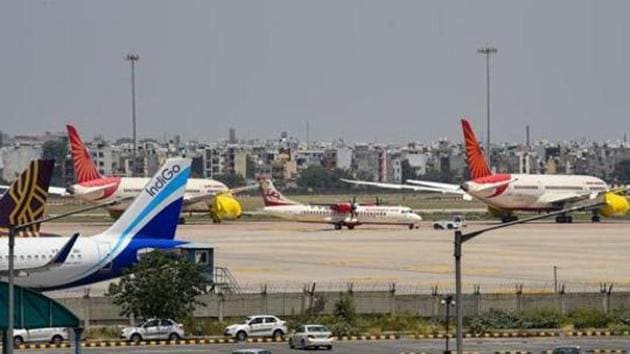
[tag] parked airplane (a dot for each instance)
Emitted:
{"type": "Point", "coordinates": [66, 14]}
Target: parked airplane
{"type": "Point", "coordinates": [25, 199]}
{"type": "Point", "coordinates": [347, 214]}
{"type": "Point", "coordinates": [505, 193]}
{"type": "Point", "coordinates": [202, 195]}
{"type": "Point", "coordinates": [148, 223]}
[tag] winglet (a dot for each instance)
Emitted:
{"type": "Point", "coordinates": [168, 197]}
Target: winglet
{"type": "Point", "coordinates": [63, 253]}
{"type": "Point", "coordinates": [474, 155]}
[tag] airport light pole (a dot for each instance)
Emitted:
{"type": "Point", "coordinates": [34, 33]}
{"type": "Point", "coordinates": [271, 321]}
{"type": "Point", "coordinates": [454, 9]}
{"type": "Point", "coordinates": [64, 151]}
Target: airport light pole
{"type": "Point", "coordinates": [132, 59]}
{"type": "Point", "coordinates": [13, 231]}
{"type": "Point", "coordinates": [460, 238]}
{"type": "Point", "coordinates": [486, 50]}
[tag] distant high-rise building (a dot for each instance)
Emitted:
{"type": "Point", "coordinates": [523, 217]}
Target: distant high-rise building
{"type": "Point", "coordinates": [232, 138]}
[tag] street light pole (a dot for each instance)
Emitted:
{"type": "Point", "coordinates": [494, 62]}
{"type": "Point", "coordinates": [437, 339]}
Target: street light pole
{"type": "Point", "coordinates": [132, 59]}
{"type": "Point", "coordinates": [10, 302]}
{"type": "Point", "coordinates": [460, 238]}
{"type": "Point", "coordinates": [487, 51]}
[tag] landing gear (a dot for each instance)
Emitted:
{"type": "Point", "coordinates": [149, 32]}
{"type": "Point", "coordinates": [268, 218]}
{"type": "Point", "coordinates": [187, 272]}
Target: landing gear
{"type": "Point", "coordinates": [350, 226]}
{"type": "Point", "coordinates": [411, 226]}
{"type": "Point", "coordinates": [338, 226]}
{"type": "Point", "coordinates": [564, 219]}
{"type": "Point", "coordinates": [595, 217]}
{"type": "Point", "coordinates": [181, 220]}
{"type": "Point", "coordinates": [509, 218]}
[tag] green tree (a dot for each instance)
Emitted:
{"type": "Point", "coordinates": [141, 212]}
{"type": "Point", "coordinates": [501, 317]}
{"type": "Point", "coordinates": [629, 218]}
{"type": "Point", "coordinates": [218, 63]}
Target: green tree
{"type": "Point", "coordinates": [344, 309]}
{"type": "Point", "coordinates": [56, 150]}
{"type": "Point", "coordinates": [230, 179]}
{"type": "Point", "coordinates": [160, 286]}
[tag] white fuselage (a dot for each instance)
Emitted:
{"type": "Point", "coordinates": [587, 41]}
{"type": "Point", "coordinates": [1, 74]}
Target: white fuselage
{"type": "Point", "coordinates": [386, 215]}
{"type": "Point", "coordinates": [534, 192]}
{"type": "Point", "coordinates": [111, 188]}
{"type": "Point", "coordinates": [36, 252]}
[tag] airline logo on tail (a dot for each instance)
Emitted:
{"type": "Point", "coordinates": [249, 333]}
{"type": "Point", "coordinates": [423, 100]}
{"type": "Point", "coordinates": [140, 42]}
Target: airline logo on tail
{"type": "Point", "coordinates": [84, 168]}
{"type": "Point", "coordinates": [474, 155]}
{"type": "Point", "coordinates": [25, 200]}
{"type": "Point", "coordinates": [271, 196]}
{"type": "Point", "coordinates": [162, 179]}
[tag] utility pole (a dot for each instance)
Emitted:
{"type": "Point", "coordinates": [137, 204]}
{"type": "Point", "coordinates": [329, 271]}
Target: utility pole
{"type": "Point", "coordinates": [132, 59]}
{"type": "Point", "coordinates": [487, 51]}
{"type": "Point", "coordinates": [447, 301]}
{"type": "Point", "coordinates": [11, 301]}
{"type": "Point", "coordinates": [555, 279]}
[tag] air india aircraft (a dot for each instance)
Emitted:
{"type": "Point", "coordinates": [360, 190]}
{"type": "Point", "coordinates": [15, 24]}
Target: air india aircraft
{"type": "Point", "coordinates": [202, 195]}
{"type": "Point", "coordinates": [505, 193]}
{"type": "Point", "coordinates": [348, 214]}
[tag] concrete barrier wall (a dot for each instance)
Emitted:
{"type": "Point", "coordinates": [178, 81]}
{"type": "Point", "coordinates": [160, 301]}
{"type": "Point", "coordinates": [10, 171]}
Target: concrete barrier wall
{"type": "Point", "coordinates": [101, 310]}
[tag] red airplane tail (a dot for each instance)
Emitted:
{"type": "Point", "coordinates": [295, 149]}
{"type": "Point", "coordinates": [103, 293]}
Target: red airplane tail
{"type": "Point", "coordinates": [474, 154]}
{"type": "Point", "coordinates": [84, 168]}
{"type": "Point", "coordinates": [271, 195]}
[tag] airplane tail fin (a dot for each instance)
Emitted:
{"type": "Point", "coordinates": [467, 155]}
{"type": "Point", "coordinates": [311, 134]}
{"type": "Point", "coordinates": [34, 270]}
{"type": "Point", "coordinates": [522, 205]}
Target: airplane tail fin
{"type": "Point", "coordinates": [155, 212]}
{"type": "Point", "coordinates": [272, 196]}
{"type": "Point", "coordinates": [474, 154]}
{"type": "Point", "coordinates": [25, 200]}
{"type": "Point", "coordinates": [84, 168]}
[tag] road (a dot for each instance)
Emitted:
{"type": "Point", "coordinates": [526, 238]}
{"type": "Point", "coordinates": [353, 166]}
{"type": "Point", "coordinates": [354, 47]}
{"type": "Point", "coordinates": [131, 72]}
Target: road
{"type": "Point", "coordinates": [535, 345]}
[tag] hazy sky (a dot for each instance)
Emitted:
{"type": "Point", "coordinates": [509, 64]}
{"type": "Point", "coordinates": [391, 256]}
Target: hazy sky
{"type": "Point", "coordinates": [362, 70]}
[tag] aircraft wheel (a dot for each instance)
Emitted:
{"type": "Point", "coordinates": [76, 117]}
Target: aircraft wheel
{"type": "Point", "coordinates": [350, 227]}
{"type": "Point", "coordinates": [411, 226]}
{"type": "Point", "coordinates": [596, 218]}
{"type": "Point", "coordinates": [338, 226]}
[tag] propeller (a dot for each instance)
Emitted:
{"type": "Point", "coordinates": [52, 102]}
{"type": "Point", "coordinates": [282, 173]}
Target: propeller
{"type": "Point", "coordinates": [353, 207]}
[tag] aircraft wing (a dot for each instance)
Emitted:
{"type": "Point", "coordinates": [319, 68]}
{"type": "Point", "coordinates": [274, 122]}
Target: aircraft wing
{"type": "Point", "coordinates": [60, 258]}
{"type": "Point", "coordinates": [445, 187]}
{"type": "Point", "coordinates": [209, 197]}
{"type": "Point", "coordinates": [393, 186]}
{"type": "Point", "coordinates": [242, 189]}
{"type": "Point", "coordinates": [418, 186]}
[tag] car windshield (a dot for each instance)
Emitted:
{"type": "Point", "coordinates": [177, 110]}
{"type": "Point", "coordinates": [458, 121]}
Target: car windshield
{"type": "Point", "coordinates": [317, 329]}
{"type": "Point", "coordinates": [246, 320]}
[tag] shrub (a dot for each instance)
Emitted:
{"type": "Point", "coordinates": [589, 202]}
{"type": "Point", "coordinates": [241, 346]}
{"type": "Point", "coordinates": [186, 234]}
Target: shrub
{"type": "Point", "coordinates": [588, 318]}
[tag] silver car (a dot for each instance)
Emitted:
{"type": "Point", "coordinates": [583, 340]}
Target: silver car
{"type": "Point", "coordinates": [154, 329]}
{"type": "Point", "coordinates": [311, 336]}
{"type": "Point", "coordinates": [53, 335]}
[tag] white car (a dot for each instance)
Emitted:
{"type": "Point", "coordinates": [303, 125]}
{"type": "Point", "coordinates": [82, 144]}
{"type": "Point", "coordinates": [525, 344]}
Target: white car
{"type": "Point", "coordinates": [154, 329]}
{"type": "Point", "coordinates": [311, 336]}
{"type": "Point", "coordinates": [457, 222]}
{"type": "Point", "coordinates": [53, 335]}
{"type": "Point", "coordinates": [257, 326]}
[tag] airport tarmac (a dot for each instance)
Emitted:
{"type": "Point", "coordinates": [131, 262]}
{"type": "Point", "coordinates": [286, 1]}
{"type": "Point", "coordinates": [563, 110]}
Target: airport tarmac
{"type": "Point", "coordinates": [287, 255]}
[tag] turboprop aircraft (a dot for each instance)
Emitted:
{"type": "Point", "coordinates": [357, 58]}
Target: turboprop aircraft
{"type": "Point", "coordinates": [202, 195]}
{"type": "Point", "coordinates": [149, 223]}
{"type": "Point", "coordinates": [349, 214]}
{"type": "Point", "coordinates": [506, 193]}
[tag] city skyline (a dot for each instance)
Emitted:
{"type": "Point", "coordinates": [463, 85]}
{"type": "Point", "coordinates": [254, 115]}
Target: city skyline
{"type": "Point", "coordinates": [365, 72]}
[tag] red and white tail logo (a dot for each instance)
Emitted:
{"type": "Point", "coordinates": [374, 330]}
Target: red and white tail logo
{"type": "Point", "coordinates": [271, 195]}
{"type": "Point", "coordinates": [84, 168]}
{"type": "Point", "coordinates": [474, 155]}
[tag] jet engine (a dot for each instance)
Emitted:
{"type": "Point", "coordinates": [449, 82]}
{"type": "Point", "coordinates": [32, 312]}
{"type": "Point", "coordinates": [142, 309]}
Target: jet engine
{"type": "Point", "coordinates": [225, 206]}
{"type": "Point", "coordinates": [615, 205]}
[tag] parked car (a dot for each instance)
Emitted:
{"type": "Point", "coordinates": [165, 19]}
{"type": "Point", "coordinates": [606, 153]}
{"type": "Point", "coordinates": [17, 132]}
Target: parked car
{"type": "Point", "coordinates": [311, 336]}
{"type": "Point", "coordinates": [154, 329]}
{"type": "Point", "coordinates": [574, 349]}
{"type": "Point", "coordinates": [456, 222]}
{"type": "Point", "coordinates": [53, 335]}
{"type": "Point", "coordinates": [252, 351]}
{"type": "Point", "coordinates": [257, 326]}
